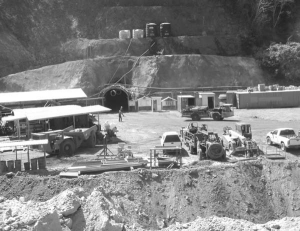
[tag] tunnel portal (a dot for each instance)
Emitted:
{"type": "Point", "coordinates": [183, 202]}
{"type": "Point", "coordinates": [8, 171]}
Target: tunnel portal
{"type": "Point", "coordinates": [115, 97]}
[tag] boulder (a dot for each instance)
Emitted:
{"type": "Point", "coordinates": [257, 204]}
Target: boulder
{"type": "Point", "coordinates": [48, 222]}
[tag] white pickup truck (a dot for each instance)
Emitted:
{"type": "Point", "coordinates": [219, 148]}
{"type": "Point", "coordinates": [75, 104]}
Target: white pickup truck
{"type": "Point", "coordinates": [285, 137]}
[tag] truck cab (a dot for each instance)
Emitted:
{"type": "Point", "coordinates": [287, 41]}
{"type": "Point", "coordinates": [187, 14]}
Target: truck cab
{"type": "Point", "coordinates": [244, 129]}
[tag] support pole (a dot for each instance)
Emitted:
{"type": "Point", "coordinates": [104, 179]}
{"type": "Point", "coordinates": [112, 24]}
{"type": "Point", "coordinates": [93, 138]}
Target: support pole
{"type": "Point", "coordinates": [44, 155]}
{"type": "Point", "coordinates": [74, 122]}
{"type": "Point", "coordinates": [150, 159]}
{"type": "Point", "coordinates": [16, 153]}
{"type": "Point", "coordinates": [28, 154]}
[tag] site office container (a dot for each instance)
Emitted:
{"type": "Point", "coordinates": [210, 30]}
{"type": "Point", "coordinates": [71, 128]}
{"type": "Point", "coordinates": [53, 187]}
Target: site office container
{"type": "Point", "coordinates": [184, 101]}
{"type": "Point", "coordinates": [169, 103]}
{"type": "Point", "coordinates": [269, 99]}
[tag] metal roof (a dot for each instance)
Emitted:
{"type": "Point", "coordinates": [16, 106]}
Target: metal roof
{"type": "Point", "coordinates": [168, 98]}
{"type": "Point", "coordinates": [54, 112]}
{"type": "Point", "coordinates": [186, 96]}
{"type": "Point", "coordinates": [31, 96]}
{"type": "Point", "coordinates": [23, 143]}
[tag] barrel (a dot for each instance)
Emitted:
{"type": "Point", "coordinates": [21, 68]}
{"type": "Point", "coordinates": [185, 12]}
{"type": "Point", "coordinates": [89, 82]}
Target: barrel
{"type": "Point", "coordinates": [41, 162]}
{"type": "Point", "coordinates": [33, 164]}
{"type": "Point", "coordinates": [3, 167]}
{"type": "Point", "coordinates": [151, 30]}
{"type": "Point", "coordinates": [18, 165]}
{"type": "Point", "coordinates": [10, 165]}
{"type": "Point", "coordinates": [27, 166]}
{"type": "Point", "coordinates": [137, 33]}
{"type": "Point", "coordinates": [124, 34]}
{"type": "Point", "coordinates": [165, 29]}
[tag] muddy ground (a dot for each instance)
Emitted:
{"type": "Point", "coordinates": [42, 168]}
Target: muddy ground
{"type": "Point", "coordinates": [257, 191]}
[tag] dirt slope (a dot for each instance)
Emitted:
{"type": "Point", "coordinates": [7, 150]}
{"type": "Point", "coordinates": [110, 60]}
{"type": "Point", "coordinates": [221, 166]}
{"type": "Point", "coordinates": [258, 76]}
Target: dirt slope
{"type": "Point", "coordinates": [160, 71]}
{"type": "Point", "coordinates": [253, 191]}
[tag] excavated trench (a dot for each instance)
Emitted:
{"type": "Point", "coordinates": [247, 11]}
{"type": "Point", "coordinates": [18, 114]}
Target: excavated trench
{"type": "Point", "coordinates": [257, 191]}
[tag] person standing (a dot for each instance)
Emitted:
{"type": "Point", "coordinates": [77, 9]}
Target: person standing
{"type": "Point", "coordinates": [121, 114]}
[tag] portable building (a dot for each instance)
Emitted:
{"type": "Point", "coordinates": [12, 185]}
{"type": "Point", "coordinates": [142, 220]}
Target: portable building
{"type": "Point", "coordinates": [132, 105]}
{"type": "Point", "coordinates": [268, 99]}
{"type": "Point", "coordinates": [184, 101]}
{"type": "Point", "coordinates": [156, 103]}
{"type": "Point", "coordinates": [168, 103]}
{"type": "Point", "coordinates": [144, 103]}
{"type": "Point", "coordinates": [206, 99]}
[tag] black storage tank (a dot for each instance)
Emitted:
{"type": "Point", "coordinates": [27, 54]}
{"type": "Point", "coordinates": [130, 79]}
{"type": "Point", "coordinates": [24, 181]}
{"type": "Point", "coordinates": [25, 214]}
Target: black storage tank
{"type": "Point", "coordinates": [151, 30]}
{"type": "Point", "coordinates": [165, 29]}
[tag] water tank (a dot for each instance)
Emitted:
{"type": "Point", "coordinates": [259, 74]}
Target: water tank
{"type": "Point", "coordinates": [137, 33]}
{"type": "Point", "coordinates": [124, 34]}
{"type": "Point", "coordinates": [165, 29]}
{"type": "Point", "coordinates": [151, 30]}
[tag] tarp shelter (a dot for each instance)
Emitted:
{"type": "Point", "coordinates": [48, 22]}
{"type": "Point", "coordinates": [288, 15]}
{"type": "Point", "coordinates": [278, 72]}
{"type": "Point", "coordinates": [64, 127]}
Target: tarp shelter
{"type": "Point", "coordinates": [35, 96]}
{"type": "Point", "coordinates": [184, 101]}
{"type": "Point", "coordinates": [168, 103]}
{"type": "Point", "coordinates": [156, 103]}
{"type": "Point", "coordinates": [45, 113]}
{"type": "Point", "coordinates": [144, 103]}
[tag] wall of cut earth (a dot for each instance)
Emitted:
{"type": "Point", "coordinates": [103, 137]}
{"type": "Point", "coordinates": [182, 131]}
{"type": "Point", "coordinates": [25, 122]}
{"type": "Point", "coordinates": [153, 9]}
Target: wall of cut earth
{"type": "Point", "coordinates": [153, 71]}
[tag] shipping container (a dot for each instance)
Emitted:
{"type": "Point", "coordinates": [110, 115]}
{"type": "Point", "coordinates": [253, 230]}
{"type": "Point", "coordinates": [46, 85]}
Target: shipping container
{"type": "Point", "coordinates": [184, 101]}
{"type": "Point", "coordinates": [269, 99]}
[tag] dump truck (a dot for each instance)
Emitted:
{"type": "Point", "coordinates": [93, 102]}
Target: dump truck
{"type": "Point", "coordinates": [239, 141]}
{"type": "Point", "coordinates": [202, 142]}
{"type": "Point", "coordinates": [199, 112]}
{"type": "Point", "coordinates": [65, 142]}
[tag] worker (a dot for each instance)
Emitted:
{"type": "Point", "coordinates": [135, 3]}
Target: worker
{"type": "Point", "coordinates": [121, 114]}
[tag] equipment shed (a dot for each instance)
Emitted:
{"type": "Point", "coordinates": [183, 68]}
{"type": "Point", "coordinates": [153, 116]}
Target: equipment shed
{"type": "Point", "coordinates": [144, 103]}
{"type": "Point", "coordinates": [268, 99]}
{"type": "Point", "coordinates": [184, 101]}
{"type": "Point", "coordinates": [168, 103]}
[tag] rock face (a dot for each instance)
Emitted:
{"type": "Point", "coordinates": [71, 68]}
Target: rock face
{"type": "Point", "coordinates": [155, 71]}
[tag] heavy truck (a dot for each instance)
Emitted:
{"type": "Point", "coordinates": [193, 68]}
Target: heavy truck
{"type": "Point", "coordinates": [202, 142]}
{"type": "Point", "coordinates": [239, 141]}
{"type": "Point", "coordinates": [65, 142]}
{"type": "Point", "coordinates": [199, 112]}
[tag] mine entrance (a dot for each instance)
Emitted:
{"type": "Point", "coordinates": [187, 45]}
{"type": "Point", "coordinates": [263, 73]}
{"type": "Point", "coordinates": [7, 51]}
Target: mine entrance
{"type": "Point", "coordinates": [115, 98]}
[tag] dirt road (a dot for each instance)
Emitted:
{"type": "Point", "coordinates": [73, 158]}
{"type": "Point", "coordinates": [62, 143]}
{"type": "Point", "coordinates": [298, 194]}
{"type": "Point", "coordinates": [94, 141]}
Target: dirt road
{"type": "Point", "coordinates": [141, 130]}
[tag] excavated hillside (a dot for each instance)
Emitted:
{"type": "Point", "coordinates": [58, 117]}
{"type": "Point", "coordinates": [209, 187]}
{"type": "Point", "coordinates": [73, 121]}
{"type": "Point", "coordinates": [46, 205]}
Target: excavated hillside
{"type": "Point", "coordinates": [156, 71]}
{"type": "Point", "coordinates": [257, 191]}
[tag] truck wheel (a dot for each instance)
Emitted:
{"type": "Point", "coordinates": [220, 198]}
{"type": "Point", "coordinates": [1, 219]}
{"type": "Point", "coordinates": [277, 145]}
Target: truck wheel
{"type": "Point", "coordinates": [195, 117]}
{"type": "Point", "coordinates": [92, 140]}
{"type": "Point", "coordinates": [216, 116]}
{"type": "Point", "coordinates": [283, 147]}
{"type": "Point", "coordinates": [67, 148]}
{"type": "Point", "coordinates": [269, 142]}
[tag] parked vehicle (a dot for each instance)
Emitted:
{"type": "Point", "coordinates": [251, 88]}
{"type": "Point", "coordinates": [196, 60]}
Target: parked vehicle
{"type": "Point", "coordinates": [170, 139]}
{"type": "Point", "coordinates": [239, 141]}
{"type": "Point", "coordinates": [285, 137]}
{"type": "Point", "coordinates": [219, 113]}
{"type": "Point", "coordinates": [65, 142]}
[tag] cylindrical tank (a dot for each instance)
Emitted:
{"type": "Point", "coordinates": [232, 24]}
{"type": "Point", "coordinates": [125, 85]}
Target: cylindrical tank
{"type": "Point", "coordinates": [215, 151]}
{"type": "Point", "coordinates": [41, 162]}
{"type": "Point", "coordinates": [33, 164]}
{"type": "Point", "coordinates": [151, 30]}
{"type": "Point", "coordinates": [27, 166]}
{"type": "Point", "coordinates": [3, 167]}
{"type": "Point", "coordinates": [137, 33]}
{"type": "Point", "coordinates": [10, 165]}
{"type": "Point", "coordinates": [18, 165]}
{"type": "Point", "coordinates": [165, 29]}
{"type": "Point", "coordinates": [124, 34]}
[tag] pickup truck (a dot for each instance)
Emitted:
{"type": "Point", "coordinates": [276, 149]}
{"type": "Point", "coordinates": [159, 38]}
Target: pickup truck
{"type": "Point", "coordinates": [285, 137]}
